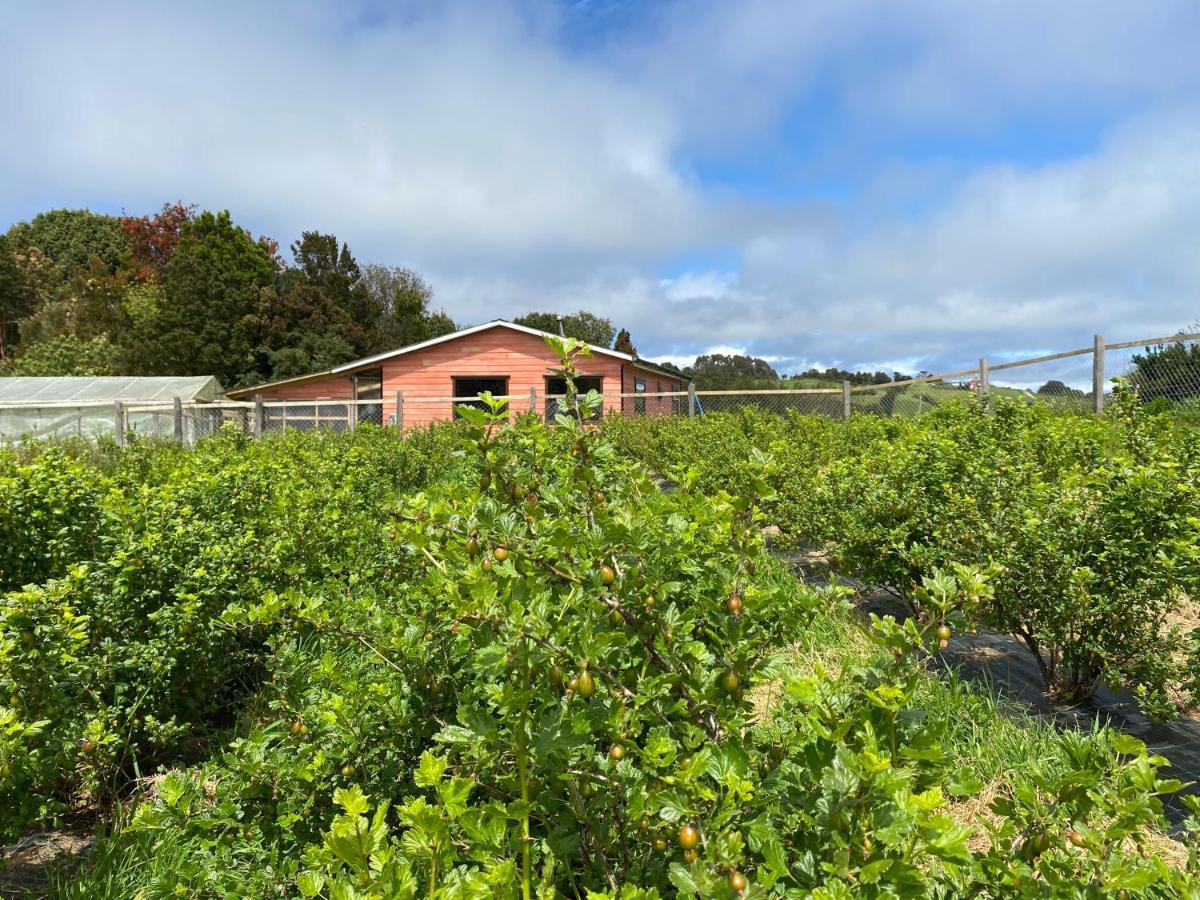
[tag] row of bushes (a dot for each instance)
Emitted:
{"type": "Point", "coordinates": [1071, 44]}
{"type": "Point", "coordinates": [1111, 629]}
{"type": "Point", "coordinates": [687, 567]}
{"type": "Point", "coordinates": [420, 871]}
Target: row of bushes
{"type": "Point", "coordinates": [541, 675]}
{"type": "Point", "coordinates": [117, 661]}
{"type": "Point", "coordinates": [561, 693]}
{"type": "Point", "coordinates": [1089, 528]}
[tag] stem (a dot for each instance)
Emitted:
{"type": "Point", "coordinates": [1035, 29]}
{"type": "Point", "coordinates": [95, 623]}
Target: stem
{"type": "Point", "coordinates": [523, 774]}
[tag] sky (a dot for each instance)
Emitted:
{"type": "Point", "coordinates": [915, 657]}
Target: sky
{"type": "Point", "coordinates": [908, 184]}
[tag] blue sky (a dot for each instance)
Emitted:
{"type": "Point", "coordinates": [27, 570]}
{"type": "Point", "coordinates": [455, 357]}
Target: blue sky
{"type": "Point", "coordinates": [911, 184]}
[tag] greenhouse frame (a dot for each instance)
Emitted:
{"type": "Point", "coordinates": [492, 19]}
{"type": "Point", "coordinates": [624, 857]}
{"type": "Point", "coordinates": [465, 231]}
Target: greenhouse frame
{"type": "Point", "coordinates": [90, 406]}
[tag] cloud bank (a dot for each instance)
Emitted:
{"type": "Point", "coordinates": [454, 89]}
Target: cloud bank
{"type": "Point", "coordinates": [837, 182]}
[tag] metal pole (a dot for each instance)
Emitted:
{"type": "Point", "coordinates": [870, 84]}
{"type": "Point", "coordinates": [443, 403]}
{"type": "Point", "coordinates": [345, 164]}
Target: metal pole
{"type": "Point", "coordinates": [845, 399]}
{"type": "Point", "coordinates": [179, 420]}
{"type": "Point", "coordinates": [257, 424]}
{"type": "Point", "coordinates": [1098, 375]}
{"type": "Point", "coordinates": [399, 409]}
{"type": "Point", "coordinates": [119, 422]}
{"type": "Point", "coordinates": [691, 398]}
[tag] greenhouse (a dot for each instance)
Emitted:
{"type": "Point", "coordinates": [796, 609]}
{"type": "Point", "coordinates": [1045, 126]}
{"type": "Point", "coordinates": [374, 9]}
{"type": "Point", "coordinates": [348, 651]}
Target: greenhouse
{"type": "Point", "coordinates": [90, 406]}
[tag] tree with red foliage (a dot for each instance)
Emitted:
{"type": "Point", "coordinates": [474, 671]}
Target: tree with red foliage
{"type": "Point", "coordinates": [152, 239]}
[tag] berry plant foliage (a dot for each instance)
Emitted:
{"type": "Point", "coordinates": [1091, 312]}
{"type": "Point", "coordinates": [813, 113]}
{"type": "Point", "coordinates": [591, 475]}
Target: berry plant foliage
{"type": "Point", "coordinates": [495, 659]}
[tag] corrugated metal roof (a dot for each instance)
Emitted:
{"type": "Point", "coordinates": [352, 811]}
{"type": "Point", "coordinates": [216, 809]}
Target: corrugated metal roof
{"type": "Point", "coordinates": [106, 389]}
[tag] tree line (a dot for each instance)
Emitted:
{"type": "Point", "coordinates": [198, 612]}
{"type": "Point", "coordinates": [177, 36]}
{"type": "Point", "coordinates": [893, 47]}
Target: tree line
{"type": "Point", "coordinates": [187, 292]}
{"type": "Point", "coordinates": [183, 292]}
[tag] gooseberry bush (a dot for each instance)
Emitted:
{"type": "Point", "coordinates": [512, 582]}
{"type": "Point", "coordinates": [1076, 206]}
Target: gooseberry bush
{"type": "Point", "coordinates": [498, 660]}
{"type": "Point", "coordinates": [1086, 527]}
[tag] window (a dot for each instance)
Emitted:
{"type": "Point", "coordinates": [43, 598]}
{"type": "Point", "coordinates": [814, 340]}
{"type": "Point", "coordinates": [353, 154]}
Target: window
{"type": "Point", "coordinates": [557, 387]}
{"type": "Point", "coordinates": [639, 403]}
{"type": "Point", "coordinates": [473, 386]}
{"type": "Point", "coordinates": [368, 385]}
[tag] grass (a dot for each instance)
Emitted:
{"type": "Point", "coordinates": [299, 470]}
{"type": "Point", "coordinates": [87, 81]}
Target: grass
{"type": "Point", "coordinates": [119, 869]}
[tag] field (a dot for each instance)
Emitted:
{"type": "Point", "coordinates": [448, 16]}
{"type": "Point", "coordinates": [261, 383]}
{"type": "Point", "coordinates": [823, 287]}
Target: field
{"type": "Point", "coordinates": [502, 659]}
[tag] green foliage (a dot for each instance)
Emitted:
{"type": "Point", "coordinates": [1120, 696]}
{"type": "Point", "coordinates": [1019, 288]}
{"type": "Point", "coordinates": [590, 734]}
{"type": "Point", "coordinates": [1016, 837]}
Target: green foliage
{"type": "Point", "coordinates": [68, 354]}
{"type": "Point", "coordinates": [718, 372]}
{"type": "Point", "coordinates": [495, 659]}
{"type": "Point", "coordinates": [1087, 527]}
{"type": "Point", "coordinates": [73, 238]}
{"type": "Point", "coordinates": [51, 515]}
{"type": "Point", "coordinates": [584, 326]}
{"type": "Point", "coordinates": [209, 323]}
{"type": "Point", "coordinates": [1170, 371]}
{"type": "Point", "coordinates": [17, 295]}
{"type": "Point", "coordinates": [124, 656]}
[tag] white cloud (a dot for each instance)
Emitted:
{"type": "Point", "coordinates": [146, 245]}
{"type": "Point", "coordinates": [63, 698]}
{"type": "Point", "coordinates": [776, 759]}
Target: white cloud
{"type": "Point", "coordinates": [464, 139]}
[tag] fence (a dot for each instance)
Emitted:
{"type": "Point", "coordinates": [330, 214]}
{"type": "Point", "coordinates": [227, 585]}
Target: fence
{"type": "Point", "coordinates": [1164, 370]}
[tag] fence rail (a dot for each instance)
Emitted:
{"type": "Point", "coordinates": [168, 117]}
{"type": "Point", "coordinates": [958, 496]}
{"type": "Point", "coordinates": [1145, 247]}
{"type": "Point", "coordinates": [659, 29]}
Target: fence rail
{"type": "Point", "coordinates": [1166, 368]}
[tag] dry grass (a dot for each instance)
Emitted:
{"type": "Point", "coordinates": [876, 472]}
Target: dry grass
{"type": "Point", "coordinates": [976, 813]}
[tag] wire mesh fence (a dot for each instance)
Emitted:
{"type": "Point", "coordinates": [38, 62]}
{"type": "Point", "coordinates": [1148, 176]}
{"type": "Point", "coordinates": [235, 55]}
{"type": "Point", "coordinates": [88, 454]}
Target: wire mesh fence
{"type": "Point", "coordinates": [1164, 371]}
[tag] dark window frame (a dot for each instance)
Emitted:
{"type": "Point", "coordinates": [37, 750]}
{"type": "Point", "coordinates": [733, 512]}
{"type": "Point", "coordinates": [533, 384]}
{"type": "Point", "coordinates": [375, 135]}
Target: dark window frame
{"type": "Point", "coordinates": [551, 406]}
{"type": "Point", "coordinates": [455, 379]}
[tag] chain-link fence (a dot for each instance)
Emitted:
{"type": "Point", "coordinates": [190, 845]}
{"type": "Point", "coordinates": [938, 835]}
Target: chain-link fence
{"type": "Point", "coordinates": [1164, 371]}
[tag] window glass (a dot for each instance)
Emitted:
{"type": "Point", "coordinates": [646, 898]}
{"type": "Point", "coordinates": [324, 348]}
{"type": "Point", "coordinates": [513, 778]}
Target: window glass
{"type": "Point", "coordinates": [473, 387]}
{"type": "Point", "coordinates": [639, 403]}
{"type": "Point", "coordinates": [557, 387]}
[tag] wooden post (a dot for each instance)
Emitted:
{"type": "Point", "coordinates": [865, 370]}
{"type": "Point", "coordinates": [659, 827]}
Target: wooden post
{"type": "Point", "coordinates": [691, 398]}
{"type": "Point", "coordinates": [257, 424]}
{"type": "Point", "coordinates": [983, 378]}
{"type": "Point", "coordinates": [845, 399]}
{"type": "Point", "coordinates": [179, 420]}
{"type": "Point", "coordinates": [119, 423]}
{"type": "Point", "coordinates": [1098, 375]}
{"type": "Point", "coordinates": [399, 409]}
{"type": "Point", "coordinates": [352, 414]}
{"type": "Point", "coordinates": [533, 406]}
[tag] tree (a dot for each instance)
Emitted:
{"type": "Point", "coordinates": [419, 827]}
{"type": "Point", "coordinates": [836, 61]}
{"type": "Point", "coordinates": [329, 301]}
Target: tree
{"type": "Point", "coordinates": [583, 326]}
{"type": "Point", "coordinates": [718, 372]}
{"type": "Point", "coordinates": [1056, 388]}
{"type": "Point", "coordinates": [624, 343]}
{"type": "Point", "coordinates": [1171, 371]}
{"type": "Point", "coordinates": [210, 321]}
{"type": "Point", "coordinates": [73, 238]}
{"type": "Point", "coordinates": [403, 299]}
{"type": "Point", "coordinates": [152, 239]}
{"type": "Point", "coordinates": [17, 296]}
{"type": "Point", "coordinates": [68, 354]}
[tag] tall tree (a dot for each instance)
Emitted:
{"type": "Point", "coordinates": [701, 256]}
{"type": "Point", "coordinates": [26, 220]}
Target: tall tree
{"type": "Point", "coordinates": [17, 296]}
{"type": "Point", "coordinates": [624, 343]}
{"type": "Point", "coordinates": [403, 299]}
{"type": "Point", "coordinates": [152, 239]}
{"type": "Point", "coordinates": [1171, 371]}
{"type": "Point", "coordinates": [582, 325]}
{"type": "Point", "coordinates": [73, 238]}
{"type": "Point", "coordinates": [718, 371]}
{"type": "Point", "coordinates": [67, 354]}
{"type": "Point", "coordinates": [210, 321]}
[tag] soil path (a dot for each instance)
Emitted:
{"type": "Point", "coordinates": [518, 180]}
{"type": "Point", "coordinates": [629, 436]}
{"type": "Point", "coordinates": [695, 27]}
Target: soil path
{"type": "Point", "coordinates": [1001, 663]}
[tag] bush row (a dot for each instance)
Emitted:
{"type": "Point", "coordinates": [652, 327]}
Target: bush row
{"type": "Point", "coordinates": [538, 675]}
{"type": "Point", "coordinates": [1087, 527]}
{"type": "Point", "coordinates": [121, 662]}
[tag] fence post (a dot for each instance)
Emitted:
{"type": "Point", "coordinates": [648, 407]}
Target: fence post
{"type": "Point", "coordinates": [845, 399]}
{"type": "Point", "coordinates": [399, 409]}
{"type": "Point", "coordinates": [352, 414]}
{"type": "Point", "coordinates": [1098, 375]}
{"type": "Point", "coordinates": [119, 422]}
{"type": "Point", "coordinates": [257, 424]}
{"type": "Point", "coordinates": [983, 378]}
{"type": "Point", "coordinates": [533, 399]}
{"type": "Point", "coordinates": [178, 420]}
{"type": "Point", "coordinates": [691, 398]}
